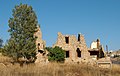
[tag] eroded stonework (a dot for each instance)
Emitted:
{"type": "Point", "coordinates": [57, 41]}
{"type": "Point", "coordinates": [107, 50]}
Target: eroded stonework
{"type": "Point", "coordinates": [40, 45]}
{"type": "Point", "coordinates": [75, 49]}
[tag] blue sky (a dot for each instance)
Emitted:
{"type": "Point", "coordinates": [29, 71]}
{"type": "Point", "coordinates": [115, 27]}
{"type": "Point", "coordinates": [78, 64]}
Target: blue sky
{"type": "Point", "coordinates": [93, 18]}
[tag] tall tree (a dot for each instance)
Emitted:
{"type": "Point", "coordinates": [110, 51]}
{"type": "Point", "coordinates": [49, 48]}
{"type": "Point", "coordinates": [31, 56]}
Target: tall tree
{"type": "Point", "coordinates": [23, 26]}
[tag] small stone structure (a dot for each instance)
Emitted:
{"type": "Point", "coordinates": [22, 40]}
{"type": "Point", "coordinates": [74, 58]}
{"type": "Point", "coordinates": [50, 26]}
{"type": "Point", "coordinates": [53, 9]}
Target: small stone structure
{"type": "Point", "coordinates": [40, 45]}
{"type": "Point", "coordinates": [96, 50]}
{"type": "Point", "coordinates": [104, 62]}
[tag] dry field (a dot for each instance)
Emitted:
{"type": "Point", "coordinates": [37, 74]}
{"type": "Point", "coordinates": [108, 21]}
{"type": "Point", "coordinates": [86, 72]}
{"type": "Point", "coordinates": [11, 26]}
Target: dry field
{"type": "Point", "coordinates": [55, 69]}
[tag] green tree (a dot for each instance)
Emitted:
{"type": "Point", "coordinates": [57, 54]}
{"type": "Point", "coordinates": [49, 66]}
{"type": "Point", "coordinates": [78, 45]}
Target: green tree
{"type": "Point", "coordinates": [22, 27]}
{"type": "Point", "coordinates": [1, 42]}
{"type": "Point", "coordinates": [56, 54]}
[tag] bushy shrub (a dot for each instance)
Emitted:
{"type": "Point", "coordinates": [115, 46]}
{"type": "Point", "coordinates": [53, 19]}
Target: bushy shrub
{"type": "Point", "coordinates": [56, 54]}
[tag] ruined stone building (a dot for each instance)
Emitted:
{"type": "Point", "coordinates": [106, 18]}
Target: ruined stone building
{"type": "Point", "coordinates": [40, 47]}
{"type": "Point", "coordinates": [76, 49]}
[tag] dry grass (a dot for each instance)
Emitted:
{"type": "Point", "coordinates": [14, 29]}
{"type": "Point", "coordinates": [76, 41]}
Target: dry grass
{"type": "Point", "coordinates": [4, 59]}
{"type": "Point", "coordinates": [56, 69]}
{"type": "Point", "coordinates": [115, 70]}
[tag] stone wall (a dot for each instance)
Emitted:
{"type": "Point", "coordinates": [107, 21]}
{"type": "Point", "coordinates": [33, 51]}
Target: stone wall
{"type": "Point", "coordinates": [76, 46]}
{"type": "Point", "coordinates": [40, 45]}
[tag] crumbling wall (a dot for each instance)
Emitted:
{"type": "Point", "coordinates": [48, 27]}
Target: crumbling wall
{"type": "Point", "coordinates": [83, 47]}
{"type": "Point", "coordinates": [73, 45]}
{"type": "Point", "coordinates": [97, 49]}
{"type": "Point", "coordinates": [40, 44]}
{"type": "Point", "coordinates": [40, 48]}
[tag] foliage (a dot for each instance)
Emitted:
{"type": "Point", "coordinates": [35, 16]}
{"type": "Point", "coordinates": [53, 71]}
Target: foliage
{"type": "Point", "coordinates": [1, 41]}
{"type": "Point", "coordinates": [56, 54]}
{"type": "Point", "coordinates": [1, 44]}
{"type": "Point", "coordinates": [23, 26]}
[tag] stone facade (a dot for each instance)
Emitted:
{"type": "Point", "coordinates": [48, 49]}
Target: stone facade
{"type": "Point", "coordinates": [40, 45]}
{"type": "Point", "coordinates": [75, 48]}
